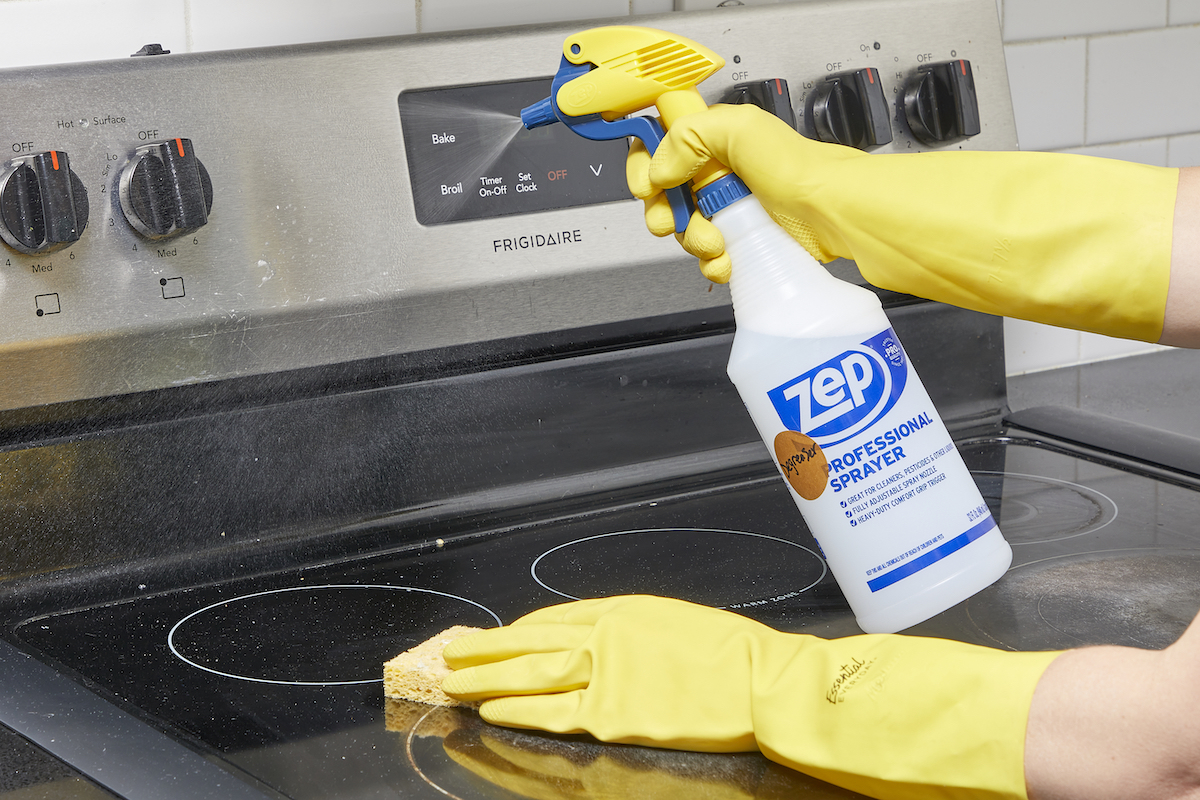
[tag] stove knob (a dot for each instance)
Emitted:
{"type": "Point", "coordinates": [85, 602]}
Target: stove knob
{"type": "Point", "coordinates": [940, 102]}
{"type": "Point", "coordinates": [165, 190]}
{"type": "Point", "coordinates": [43, 205]}
{"type": "Point", "coordinates": [769, 95]}
{"type": "Point", "coordinates": [849, 108]}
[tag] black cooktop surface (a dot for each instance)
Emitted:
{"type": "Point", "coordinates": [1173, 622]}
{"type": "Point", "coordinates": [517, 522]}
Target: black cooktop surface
{"type": "Point", "coordinates": [278, 676]}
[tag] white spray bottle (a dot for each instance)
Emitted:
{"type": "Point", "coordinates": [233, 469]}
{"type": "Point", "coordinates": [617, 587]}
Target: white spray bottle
{"type": "Point", "coordinates": [864, 453]}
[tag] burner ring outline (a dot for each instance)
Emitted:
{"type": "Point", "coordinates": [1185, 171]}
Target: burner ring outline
{"type": "Point", "coordinates": [235, 676]}
{"type": "Point", "coordinates": [533, 567]}
{"type": "Point", "coordinates": [1085, 491]}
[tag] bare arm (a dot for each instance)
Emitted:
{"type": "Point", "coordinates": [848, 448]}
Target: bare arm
{"type": "Point", "coordinates": [1116, 723]}
{"type": "Point", "coordinates": [1182, 324]}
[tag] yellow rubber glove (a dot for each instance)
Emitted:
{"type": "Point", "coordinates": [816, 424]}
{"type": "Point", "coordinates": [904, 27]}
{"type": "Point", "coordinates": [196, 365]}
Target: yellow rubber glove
{"type": "Point", "coordinates": [885, 715]}
{"type": "Point", "coordinates": [1069, 240]}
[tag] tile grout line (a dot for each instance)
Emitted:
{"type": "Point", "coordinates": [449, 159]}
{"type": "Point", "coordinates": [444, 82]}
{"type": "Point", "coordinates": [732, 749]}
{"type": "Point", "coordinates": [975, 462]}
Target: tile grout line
{"type": "Point", "coordinates": [1087, 78]}
{"type": "Point", "coordinates": [187, 27]}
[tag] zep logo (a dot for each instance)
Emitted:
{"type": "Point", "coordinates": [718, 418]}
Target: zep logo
{"type": "Point", "coordinates": [846, 394]}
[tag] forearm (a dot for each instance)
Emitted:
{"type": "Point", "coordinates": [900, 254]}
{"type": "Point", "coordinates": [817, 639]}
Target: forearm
{"type": "Point", "coordinates": [1119, 723]}
{"type": "Point", "coordinates": [1181, 326]}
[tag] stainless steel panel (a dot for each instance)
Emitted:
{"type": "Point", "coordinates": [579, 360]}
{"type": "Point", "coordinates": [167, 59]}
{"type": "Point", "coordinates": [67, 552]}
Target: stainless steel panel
{"type": "Point", "coordinates": [313, 255]}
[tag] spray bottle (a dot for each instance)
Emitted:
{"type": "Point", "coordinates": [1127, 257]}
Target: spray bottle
{"type": "Point", "coordinates": [864, 453]}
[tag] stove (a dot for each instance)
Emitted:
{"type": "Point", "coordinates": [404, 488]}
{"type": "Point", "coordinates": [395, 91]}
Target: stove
{"type": "Point", "coordinates": [335, 404]}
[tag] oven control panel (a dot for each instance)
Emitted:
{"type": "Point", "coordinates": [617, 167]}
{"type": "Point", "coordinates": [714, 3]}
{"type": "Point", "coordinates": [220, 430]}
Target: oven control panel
{"type": "Point", "coordinates": [175, 219]}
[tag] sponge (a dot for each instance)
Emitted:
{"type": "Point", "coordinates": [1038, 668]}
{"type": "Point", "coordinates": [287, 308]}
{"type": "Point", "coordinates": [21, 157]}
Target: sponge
{"type": "Point", "coordinates": [417, 674]}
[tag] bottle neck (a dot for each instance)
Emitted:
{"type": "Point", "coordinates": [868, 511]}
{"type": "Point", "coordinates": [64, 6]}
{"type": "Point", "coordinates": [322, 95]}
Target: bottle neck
{"type": "Point", "coordinates": [769, 276]}
{"type": "Point", "coordinates": [777, 287]}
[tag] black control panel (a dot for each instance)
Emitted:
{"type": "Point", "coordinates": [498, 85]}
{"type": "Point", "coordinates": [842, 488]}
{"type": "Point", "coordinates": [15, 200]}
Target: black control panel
{"type": "Point", "coordinates": [470, 158]}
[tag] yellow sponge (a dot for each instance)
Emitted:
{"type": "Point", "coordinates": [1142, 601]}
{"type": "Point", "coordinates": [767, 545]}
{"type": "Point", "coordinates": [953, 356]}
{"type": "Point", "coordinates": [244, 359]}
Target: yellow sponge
{"type": "Point", "coordinates": [417, 674]}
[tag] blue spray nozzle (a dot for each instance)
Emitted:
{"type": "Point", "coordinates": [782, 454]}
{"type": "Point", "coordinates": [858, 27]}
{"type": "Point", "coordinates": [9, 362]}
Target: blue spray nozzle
{"type": "Point", "coordinates": [595, 127]}
{"type": "Point", "coordinates": [539, 114]}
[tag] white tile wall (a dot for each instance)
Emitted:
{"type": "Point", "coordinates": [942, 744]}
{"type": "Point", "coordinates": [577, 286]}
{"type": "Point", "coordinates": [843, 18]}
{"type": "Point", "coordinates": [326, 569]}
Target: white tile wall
{"type": "Point", "coordinates": [1047, 120]}
{"type": "Point", "coordinates": [1136, 84]}
{"type": "Point", "coordinates": [1184, 12]}
{"type": "Point", "coordinates": [1030, 347]}
{"type": "Point", "coordinates": [234, 24]}
{"type": "Point", "coordinates": [1143, 151]}
{"type": "Point", "coordinates": [1041, 19]}
{"type": "Point", "coordinates": [84, 30]}
{"type": "Point", "coordinates": [1114, 78]}
{"type": "Point", "coordinates": [1094, 347]}
{"type": "Point", "coordinates": [699, 5]}
{"type": "Point", "coordinates": [651, 6]}
{"type": "Point", "coordinates": [445, 15]}
{"type": "Point", "coordinates": [1183, 151]}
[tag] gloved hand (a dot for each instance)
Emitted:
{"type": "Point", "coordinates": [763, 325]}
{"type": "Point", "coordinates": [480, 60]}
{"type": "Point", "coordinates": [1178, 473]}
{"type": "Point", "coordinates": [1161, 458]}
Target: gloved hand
{"type": "Point", "coordinates": [1069, 240]}
{"type": "Point", "coordinates": [888, 716]}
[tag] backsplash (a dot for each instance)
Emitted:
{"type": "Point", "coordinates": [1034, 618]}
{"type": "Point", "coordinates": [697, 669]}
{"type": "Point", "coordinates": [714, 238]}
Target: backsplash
{"type": "Point", "coordinates": [1089, 76]}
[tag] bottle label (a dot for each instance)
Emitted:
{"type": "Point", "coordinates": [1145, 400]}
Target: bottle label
{"type": "Point", "coordinates": [873, 467]}
{"type": "Point", "coordinates": [847, 394]}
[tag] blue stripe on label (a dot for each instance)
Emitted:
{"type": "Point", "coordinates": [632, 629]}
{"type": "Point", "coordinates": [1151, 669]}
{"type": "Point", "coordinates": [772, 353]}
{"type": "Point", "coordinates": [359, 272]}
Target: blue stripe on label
{"type": "Point", "coordinates": [933, 556]}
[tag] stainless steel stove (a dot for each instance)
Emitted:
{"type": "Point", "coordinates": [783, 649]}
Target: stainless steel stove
{"type": "Point", "coordinates": [380, 362]}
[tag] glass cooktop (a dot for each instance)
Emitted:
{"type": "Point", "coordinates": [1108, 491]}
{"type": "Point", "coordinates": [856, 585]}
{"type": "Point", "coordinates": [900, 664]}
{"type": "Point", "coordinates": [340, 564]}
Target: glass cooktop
{"type": "Point", "coordinates": [278, 676]}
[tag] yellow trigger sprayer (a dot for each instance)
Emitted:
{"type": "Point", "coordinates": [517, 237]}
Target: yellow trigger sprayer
{"type": "Point", "coordinates": [866, 457]}
{"type": "Point", "coordinates": [608, 73]}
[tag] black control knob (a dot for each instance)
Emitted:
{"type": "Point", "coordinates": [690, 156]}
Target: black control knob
{"type": "Point", "coordinates": [848, 108]}
{"type": "Point", "coordinates": [43, 205]}
{"type": "Point", "coordinates": [165, 190]}
{"type": "Point", "coordinates": [771, 95]}
{"type": "Point", "coordinates": [940, 102]}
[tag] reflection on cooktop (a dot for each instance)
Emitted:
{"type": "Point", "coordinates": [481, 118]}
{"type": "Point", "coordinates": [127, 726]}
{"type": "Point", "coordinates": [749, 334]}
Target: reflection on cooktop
{"type": "Point", "coordinates": [725, 569]}
{"type": "Point", "coordinates": [1138, 598]}
{"type": "Point", "coordinates": [462, 757]}
{"type": "Point", "coordinates": [317, 635]}
{"type": "Point", "coordinates": [1032, 508]}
